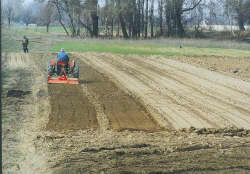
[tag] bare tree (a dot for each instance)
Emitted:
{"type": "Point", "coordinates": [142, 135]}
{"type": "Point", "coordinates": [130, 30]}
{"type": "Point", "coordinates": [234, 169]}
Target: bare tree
{"type": "Point", "coordinates": [174, 10]}
{"type": "Point", "coordinates": [228, 11]}
{"type": "Point", "coordinates": [46, 15]}
{"type": "Point", "coordinates": [75, 13]}
{"type": "Point", "coordinates": [248, 11]}
{"type": "Point", "coordinates": [152, 18]}
{"type": "Point", "coordinates": [59, 9]}
{"type": "Point", "coordinates": [212, 6]}
{"type": "Point", "coordinates": [134, 16]}
{"type": "Point", "coordinates": [120, 7]}
{"type": "Point", "coordinates": [109, 15]}
{"type": "Point", "coordinates": [169, 16]}
{"type": "Point", "coordinates": [239, 9]}
{"type": "Point", "coordinates": [94, 17]}
{"type": "Point", "coordinates": [160, 10]}
{"type": "Point", "coordinates": [197, 17]}
{"type": "Point", "coordinates": [91, 7]}
{"type": "Point", "coordinates": [142, 15]}
{"type": "Point", "coordinates": [146, 20]}
{"type": "Point", "coordinates": [11, 9]}
{"type": "Point", "coordinates": [28, 16]}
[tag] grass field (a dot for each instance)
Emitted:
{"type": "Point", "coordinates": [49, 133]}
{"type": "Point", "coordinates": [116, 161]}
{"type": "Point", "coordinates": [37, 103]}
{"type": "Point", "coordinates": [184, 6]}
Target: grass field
{"type": "Point", "coordinates": [152, 47]}
{"type": "Point", "coordinates": [56, 39]}
{"type": "Point", "coordinates": [43, 41]}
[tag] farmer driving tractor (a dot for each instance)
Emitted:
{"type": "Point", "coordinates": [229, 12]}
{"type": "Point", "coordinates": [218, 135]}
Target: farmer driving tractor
{"type": "Point", "coordinates": [61, 71]}
{"type": "Point", "coordinates": [62, 62]}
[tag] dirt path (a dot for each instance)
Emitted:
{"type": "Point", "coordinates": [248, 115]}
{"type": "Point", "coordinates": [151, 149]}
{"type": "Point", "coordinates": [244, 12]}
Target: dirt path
{"type": "Point", "coordinates": [182, 95]}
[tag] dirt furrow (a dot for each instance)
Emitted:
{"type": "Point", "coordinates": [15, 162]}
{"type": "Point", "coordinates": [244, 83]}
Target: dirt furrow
{"type": "Point", "coordinates": [129, 85]}
{"type": "Point", "coordinates": [176, 100]}
{"type": "Point", "coordinates": [151, 98]}
{"type": "Point", "coordinates": [180, 105]}
{"type": "Point", "coordinates": [204, 82]}
{"type": "Point", "coordinates": [228, 110]}
{"type": "Point", "coordinates": [231, 100]}
{"type": "Point", "coordinates": [240, 86]}
{"type": "Point", "coordinates": [228, 95]}
{"type": "Point", "coordinates": [122, 110]}
{"type": "Point", "coordinates": [186, 94]}
{"type": "Point", "coordinates": [239, 105]}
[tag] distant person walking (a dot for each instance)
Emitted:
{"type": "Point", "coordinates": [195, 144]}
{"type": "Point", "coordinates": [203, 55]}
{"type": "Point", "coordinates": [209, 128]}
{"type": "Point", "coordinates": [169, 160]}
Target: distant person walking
{"type": "Point", "coordinates": [25, 43]}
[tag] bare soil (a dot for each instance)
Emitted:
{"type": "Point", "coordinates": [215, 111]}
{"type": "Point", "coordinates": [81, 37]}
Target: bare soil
{"type": "Point", "coordinates": [235, 67]}
{"type": "Point", "coordinates": [130, 114]}
{"type": "Point", "coordinates": [121, 109]}
{"type": "Point", "coordinates": [23, 105]}
{"type": "Point", "coordinates": [70, 109]}
{"type": "Point", "coordinates": [178, 95]}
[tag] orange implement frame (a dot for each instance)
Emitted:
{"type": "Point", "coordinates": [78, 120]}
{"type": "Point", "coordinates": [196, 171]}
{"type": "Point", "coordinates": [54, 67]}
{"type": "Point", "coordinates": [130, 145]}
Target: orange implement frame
{"type": "Point", "coordinates": [63, 79]}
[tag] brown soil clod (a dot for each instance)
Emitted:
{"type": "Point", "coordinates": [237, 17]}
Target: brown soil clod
{"type": "Point", "coordinates": [231, 131]}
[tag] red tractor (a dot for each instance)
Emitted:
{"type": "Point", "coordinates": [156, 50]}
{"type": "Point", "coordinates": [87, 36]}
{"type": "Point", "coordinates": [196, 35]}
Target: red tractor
{"type": "Point", "coordinates": [60, 72]}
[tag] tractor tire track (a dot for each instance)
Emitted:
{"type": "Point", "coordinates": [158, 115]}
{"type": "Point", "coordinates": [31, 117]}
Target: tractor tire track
{"type": "Point", "coordinates": [237, 85]}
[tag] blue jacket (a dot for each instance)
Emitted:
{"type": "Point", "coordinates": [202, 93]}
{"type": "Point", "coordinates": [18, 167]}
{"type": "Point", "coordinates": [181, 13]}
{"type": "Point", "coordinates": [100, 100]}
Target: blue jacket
{"type": "Point", "coordinates": [63, 57]}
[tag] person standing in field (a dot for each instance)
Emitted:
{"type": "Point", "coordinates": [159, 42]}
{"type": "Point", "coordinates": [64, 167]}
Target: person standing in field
{"type": "Point", "coordinates": [25, 43]}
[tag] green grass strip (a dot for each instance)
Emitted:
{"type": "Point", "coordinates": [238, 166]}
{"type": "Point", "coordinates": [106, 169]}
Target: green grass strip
{"type": "Point", "coordinates": [138, 48]}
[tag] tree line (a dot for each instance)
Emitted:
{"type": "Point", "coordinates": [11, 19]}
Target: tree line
{"type": "Point", "coordinates": [130, 18]}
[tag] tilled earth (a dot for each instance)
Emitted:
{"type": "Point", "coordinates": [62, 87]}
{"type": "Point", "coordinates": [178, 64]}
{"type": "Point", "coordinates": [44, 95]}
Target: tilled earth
{"type": "Point", "coordinates": [133, 114]}
{"type": "Point", "coordinates": [179, 95]}
{"type": "Point", "coordinates": [70, 109]}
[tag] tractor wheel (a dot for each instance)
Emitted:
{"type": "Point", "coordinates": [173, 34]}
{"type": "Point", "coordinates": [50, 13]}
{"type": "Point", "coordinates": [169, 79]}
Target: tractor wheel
{"type": "Point", "coordinates": [75, 71]}
{"type": "Point", "coordinates": [51, 69]}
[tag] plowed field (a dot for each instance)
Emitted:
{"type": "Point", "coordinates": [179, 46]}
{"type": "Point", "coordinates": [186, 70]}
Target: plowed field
{"type": "Point", "coordinates": [122, 110]}
{"type": "Point", "coordinates": [129, 114]}
{"type": "Point", "coordinates": [178, 95]}
{"type": "Point", "coordinates": [71, 109]}
{"type": "Point", "coordinates": [175, 95]}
